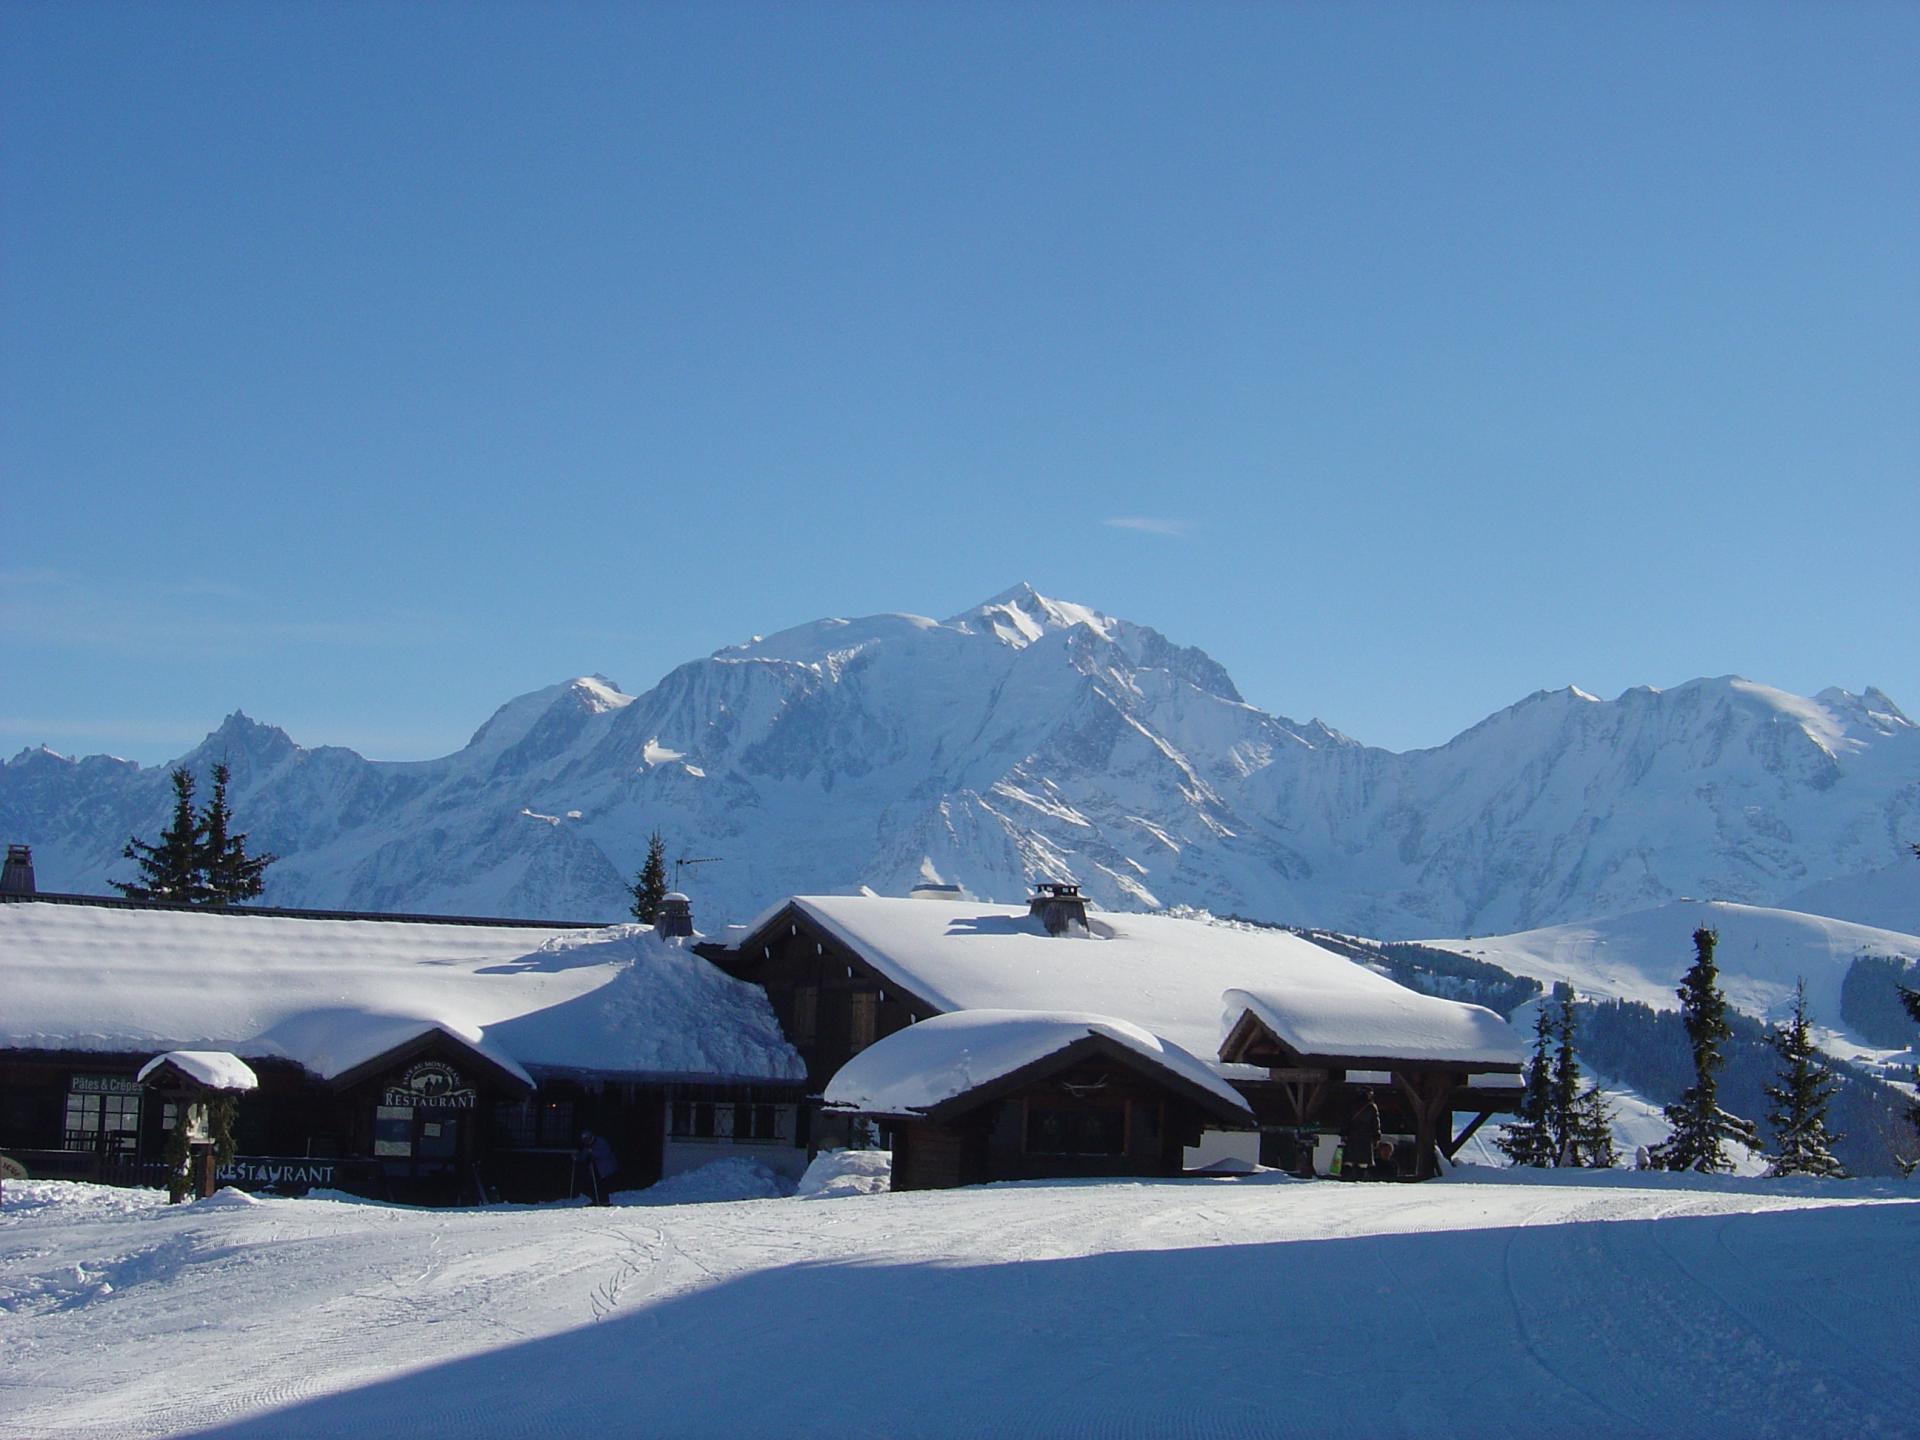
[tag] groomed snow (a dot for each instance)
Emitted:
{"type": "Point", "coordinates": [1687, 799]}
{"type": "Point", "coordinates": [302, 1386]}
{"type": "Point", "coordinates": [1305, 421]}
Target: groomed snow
{"type": "Point", "coordinates": [924, 1065]}
{"type": "Point", "coordinates": [1498, 1306]}
{"type": "Point", "coordinates": [333, 994]}
{"type": "Point", "coordinates": [1164, 974]}
{"type": "Point", "coordinates": [216, 1069]}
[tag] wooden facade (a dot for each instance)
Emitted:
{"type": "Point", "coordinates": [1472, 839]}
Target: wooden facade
{"type": "Point", "coordinates": [431, 1122]}
{"type": "Point", "coordinates": [830, 1002]}
{"type": "Point", "coordinates": [1095, 1108]}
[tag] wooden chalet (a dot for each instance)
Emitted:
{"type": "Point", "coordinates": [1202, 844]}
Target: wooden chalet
{"type": "Point", "coordinates": [848, 973]}
{"type": "Point", "coordinates": [426, 1059]}
{"type": "Point", "coordinates": [983, 1095]}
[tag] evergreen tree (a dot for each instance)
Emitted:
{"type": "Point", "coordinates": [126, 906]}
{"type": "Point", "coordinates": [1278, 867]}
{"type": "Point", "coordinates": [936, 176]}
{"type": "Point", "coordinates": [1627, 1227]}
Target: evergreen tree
{"type": "Point", "coordinates": [172, 869]}
{"type": "Point", "coordinates": [230, 873]}
{"type": "Point", "coordinates": [1801, 1143]}
{"type": "Point", "coordinates": [1701, 1129]}
{"type": "Point", "coordinates": [1529, 1141]}
{"type": "Point", "coordinates": [651, 888]}
{"type": "Point", "coordinates": [1579, 1120]}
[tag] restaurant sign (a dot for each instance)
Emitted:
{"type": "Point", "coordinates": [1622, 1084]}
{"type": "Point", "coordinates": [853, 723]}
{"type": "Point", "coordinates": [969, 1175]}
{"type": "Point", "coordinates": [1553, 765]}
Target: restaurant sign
{"type": "Point", "coordinates": [104, 1085]}
{"type": "Point", "coordinates": [432, 1085]}
{"type": "Point", "coordinates": [257, 1172]}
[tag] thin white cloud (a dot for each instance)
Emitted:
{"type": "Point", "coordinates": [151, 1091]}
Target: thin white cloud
{"type": "Point", "coordinates": [1149, 525]}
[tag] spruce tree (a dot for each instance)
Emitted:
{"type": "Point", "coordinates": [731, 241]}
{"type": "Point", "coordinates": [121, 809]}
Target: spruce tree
{"type": "Point", "coordinates": [230, 873]}
{"type": "Point", "coordinates": [1798, 1119]}
{"type": "Point", "coordinates": [1529, 1141]}
{"type": "Point", "coordinates": [1581, 1118]}
{"type": "Point", "coordinates": [651, 888]}
{"type": "Point", "coordinates": [172, 869]}
{"type": "Point", "coordinates": [1701, 1128]}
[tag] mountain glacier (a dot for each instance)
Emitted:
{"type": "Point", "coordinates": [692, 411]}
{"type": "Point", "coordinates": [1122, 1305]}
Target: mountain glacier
{"type": "Point", "coordinates": [1030, 738]}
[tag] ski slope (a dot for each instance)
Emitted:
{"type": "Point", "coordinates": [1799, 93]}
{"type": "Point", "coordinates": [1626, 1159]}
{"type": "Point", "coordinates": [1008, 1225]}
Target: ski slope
{"type": "Point", "coordinates": [1495, 1306]}
{"type": "Point", "coordinates": [1761, 954]}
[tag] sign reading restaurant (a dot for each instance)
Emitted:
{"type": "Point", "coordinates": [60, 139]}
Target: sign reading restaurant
{"type": "Point", "coordinates": [432, 1085]}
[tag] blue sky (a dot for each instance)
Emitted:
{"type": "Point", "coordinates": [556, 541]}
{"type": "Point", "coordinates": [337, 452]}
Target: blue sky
{"type": "Point", "coordinates": [363, 366]}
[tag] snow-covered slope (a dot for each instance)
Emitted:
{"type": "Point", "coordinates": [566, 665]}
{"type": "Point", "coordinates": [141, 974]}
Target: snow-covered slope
{"type": "Point", "coordinates": [1492, 1305]}
{"type": "Point", "coordinates": [1030, 737]}
{"type": "Point", "coordinates": [1761, 954]}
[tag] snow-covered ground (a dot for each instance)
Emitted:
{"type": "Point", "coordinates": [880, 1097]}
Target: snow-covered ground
{"type": "Point", "coordinates": [1486, 1304]}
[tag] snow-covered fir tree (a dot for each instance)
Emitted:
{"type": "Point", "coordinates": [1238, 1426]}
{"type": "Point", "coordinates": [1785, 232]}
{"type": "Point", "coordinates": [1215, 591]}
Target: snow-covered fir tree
{"type": "Point", "coordinates": [1528, 1140]}
{"type": "Point", "coordinates": [651, 888]}
{"type": "Point", "coordinates": [1701, 1129]}
{"type": "Point", "coordinates": [1801, 1144]}
{"type": "Point", "coordinates": [172, 869]}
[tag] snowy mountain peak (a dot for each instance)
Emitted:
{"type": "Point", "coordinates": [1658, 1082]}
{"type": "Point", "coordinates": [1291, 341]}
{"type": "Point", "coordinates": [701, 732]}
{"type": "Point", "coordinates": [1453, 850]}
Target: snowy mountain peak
{"type": "Point", "coordinates": [1022, 615]}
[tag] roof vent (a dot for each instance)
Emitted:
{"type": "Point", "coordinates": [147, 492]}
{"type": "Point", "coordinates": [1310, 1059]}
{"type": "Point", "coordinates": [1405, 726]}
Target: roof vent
{"type": "Point", "coordinates": [1059, 906]}
{"type": "Point", "coordinates": [675, 915]}
{"type": "Point", "coordinates": [934, 890]}
{"type": "Point", "coordinates": [17, 877]}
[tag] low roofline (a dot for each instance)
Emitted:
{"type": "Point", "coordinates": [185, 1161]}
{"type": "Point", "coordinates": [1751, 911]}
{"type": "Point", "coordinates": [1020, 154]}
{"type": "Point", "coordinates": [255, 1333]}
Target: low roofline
{"type": "Point", "coordinates": [1233, 1052]}
{"type": "Point", "coordinates": [1241, 1116]}
{"type": "Point", "coordinates": [285, 912]}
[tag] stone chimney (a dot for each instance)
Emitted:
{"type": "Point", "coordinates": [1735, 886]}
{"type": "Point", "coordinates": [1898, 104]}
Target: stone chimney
{"type": "Point", "coordinates": [17, 877]}
{"type": "Point", "coordinates": [1059, 906]}
{"type": "Point", "coordinates": [675, 915]}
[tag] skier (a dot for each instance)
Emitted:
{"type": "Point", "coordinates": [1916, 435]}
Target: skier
{"type": "Point", "coordinates": [601, 1167]}
{"type": "Point", "coordinates": [1361, 1135]}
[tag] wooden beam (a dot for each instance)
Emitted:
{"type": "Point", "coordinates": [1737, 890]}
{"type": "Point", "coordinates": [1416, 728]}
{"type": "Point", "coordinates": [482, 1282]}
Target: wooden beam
{"type": "Point", "coordinates": [1452, 1147]}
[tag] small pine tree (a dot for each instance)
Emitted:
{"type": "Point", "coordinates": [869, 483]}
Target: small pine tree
{"type": "Point", "coordinates": [231, 874]}
{"type": "Point", "coordinates": [1529, 1141]}
{"type": "Point", "coordinates": [170, 870]}
{"type": "Point", "coordinates": [1801, 1143]}
{"type": "Point", "coordinates": [1592, 1131]}
{"type": "Point", "coordinates": [1701, 1129]}
{"type": "Point", "coordinates": [651, 888]}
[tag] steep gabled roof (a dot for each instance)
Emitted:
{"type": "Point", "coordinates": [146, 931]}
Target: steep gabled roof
{"type": "Point", "coordinates": [1168, 975]}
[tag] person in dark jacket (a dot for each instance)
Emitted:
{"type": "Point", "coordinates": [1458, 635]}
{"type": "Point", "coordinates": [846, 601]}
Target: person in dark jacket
{"type": "Point", "coordinates": [1360, 1137]}
{"type": "Point", "coordinates": [595, 1157]}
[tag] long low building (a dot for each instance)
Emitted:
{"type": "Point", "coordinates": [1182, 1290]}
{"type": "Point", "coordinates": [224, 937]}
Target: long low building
{"type": "Point", "coordinates": [420, 1059]}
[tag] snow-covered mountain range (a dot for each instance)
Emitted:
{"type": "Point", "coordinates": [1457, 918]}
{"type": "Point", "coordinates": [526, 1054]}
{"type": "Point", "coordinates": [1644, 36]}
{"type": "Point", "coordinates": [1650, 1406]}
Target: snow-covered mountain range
{"type": "Point", "coordinates": [1030, 738]}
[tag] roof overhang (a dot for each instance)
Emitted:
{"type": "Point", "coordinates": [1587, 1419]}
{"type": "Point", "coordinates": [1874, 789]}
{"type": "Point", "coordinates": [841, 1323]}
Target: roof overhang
{"type": "Point", "coordinates": [1251, 1041]}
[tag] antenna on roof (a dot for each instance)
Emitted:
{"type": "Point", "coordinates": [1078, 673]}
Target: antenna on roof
{"type": "Point", "coordinates": [686, 860]}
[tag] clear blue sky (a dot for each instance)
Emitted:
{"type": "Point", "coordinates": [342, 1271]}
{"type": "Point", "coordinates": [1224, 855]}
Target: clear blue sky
{"type": "Point", "coordinates": [363, 366]}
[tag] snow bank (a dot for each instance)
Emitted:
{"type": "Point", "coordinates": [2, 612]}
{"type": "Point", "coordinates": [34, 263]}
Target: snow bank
{"type": "Point", "coordinates": [833, 1174]}
{"type": "Point", "coordinates": [730, 1179]}
{"type": "Point", "coordinates": [332, 994]}
{"type": "Point", "coordinates": [916, 1069]}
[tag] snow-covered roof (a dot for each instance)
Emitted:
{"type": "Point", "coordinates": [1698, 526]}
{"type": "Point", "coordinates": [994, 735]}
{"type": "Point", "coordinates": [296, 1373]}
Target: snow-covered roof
{"type": "Point", "coordinates": [1337, 1021]}
{"type": "Point", "coordinates": [916, 1069]}
{"type": "Point", "coordinates": [216, 1069]}
{"type": "Point", "coordinates": [1167, 974]}
{"type": "Point", "coordinates": [334, 994]}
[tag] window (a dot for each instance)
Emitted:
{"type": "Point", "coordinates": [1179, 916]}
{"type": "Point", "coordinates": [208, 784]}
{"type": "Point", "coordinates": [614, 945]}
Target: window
{"type": "Point", "coordinates": [748, 1121]}
{"type": "Point", "coordinates": [536, 1125]}
{"type": "Point", "coordinates": [103, 1113]}
{"type": "Point", "coordinates": [1081, 1130]}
